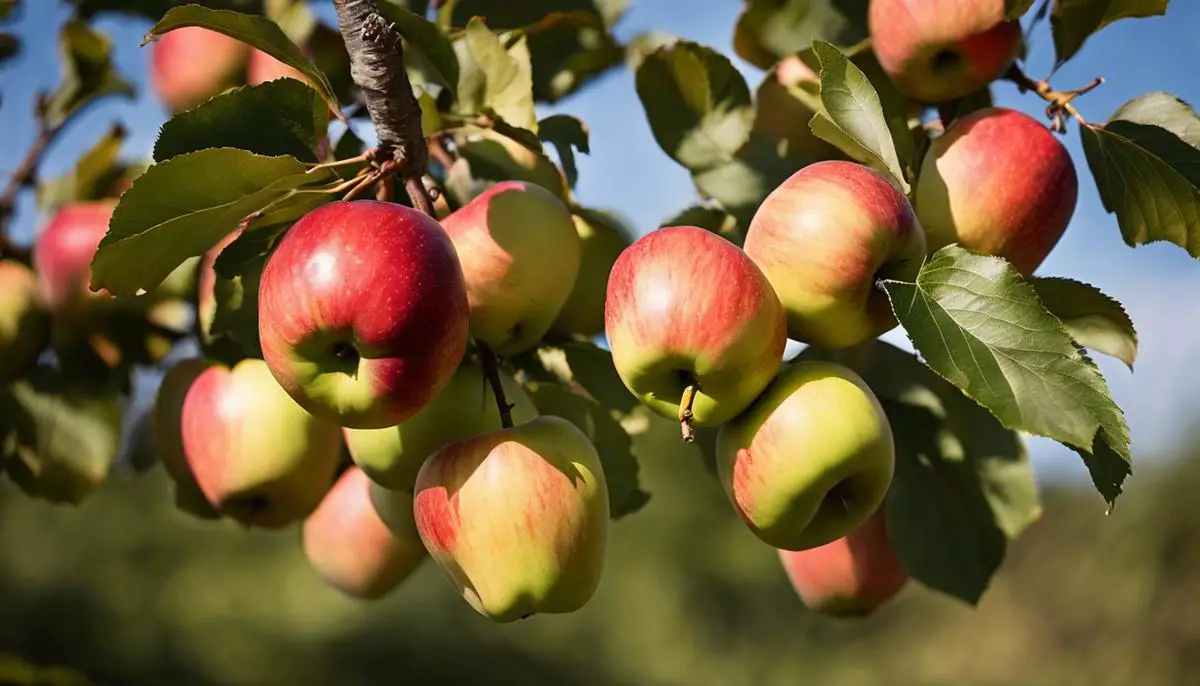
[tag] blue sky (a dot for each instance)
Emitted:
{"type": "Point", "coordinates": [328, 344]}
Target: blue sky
{"type": "Point", "coordinates": [627, 171]}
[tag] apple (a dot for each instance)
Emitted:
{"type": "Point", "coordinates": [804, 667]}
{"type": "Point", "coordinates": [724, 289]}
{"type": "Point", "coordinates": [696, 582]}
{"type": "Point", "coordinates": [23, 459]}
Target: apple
{"type": "Point", "coordinates": [850, 577]}
{"type": "Point", "coordinates": [780, 112]}
{"type": "Point", "coordinates": [363, 313]}
{"type": "Point", "coordinates": [168, 436]}
{"type": "Point", "coordinates": [686, 307]}
{"type": "Point", "coordinates": [823, 238]}
{"type": "Point", "coordinates": [191, 64]}
{"type": "Point", "coordinates": [810, 460]}
{"type": "Point", "coordinates": [520, 255]}
{"type": "Point", "coordinates": [939, 50]}
{"type": "Point", "coordinates": [601, 241]}
{"type": "Point", "coordinates": [517, 518]}
{"type": "Point", "coordinates": [257, 456]}
{"type": "Point", "coordinates": [24, 323]}
{"type": "Point", "coordinates": [1000, 183]}
{"type": "Point", "coordinates": [63, 252]}
{"type": "Point", "coordinates": [465, 408]}
{"type": "Point", "coordinates": [362, 539]}
{"type": "Point", "coordinates": [263, 67]}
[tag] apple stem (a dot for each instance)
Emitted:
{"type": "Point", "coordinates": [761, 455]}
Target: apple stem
{"type": "Point", "coordinates": [491, 371]}
{"type": "Point", "coordinates": [685, 412]}
{"type": "Point", "coordinates": [1060, 101]}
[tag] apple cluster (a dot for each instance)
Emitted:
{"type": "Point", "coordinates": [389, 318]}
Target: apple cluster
{"type": "Point", "coordinates": [370, 417]}
{"type": "Point", "coordinates": [697, 324]}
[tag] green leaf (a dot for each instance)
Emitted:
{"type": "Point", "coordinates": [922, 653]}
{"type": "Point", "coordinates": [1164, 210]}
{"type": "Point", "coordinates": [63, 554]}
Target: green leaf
{"type": "Point", "coordinates": [349, 145]}
{"type": "Point", "coordinates": [184, 206]}
{"type": "Point", "coordinates": [697, 103]}
{"type": "Point", "coordinates": [983, 328]}
{"type": "Point", "coordinates": [768, 30]}
{"type": "Point", "coordinates": [58, 438]}
{"type": "Point", "coordinates": [153, 9]}
{"type": "Point", "coordinates": [1092, 318]}
{"type": "Point", "coordinates": [491, 157]}
{"type": "Point", "coordinates": [507, 75]}
{"type": "Point", "coordinates": [611, 441]}
{"type": "Point", "coordinates": [854, 117]}
{"type": "Point", "coordinates": [566, 134]}
{"type": "Point", "coordinates": [256, 31]}
{"type": "Point", "coordinates": [1015, 9]}
{"type": "Point", "coordinates": [92, 177]}
{"type": "Point", "coordinates": [427, 40]}
{"type": "Point", "coordinates": [963, 484]}
{"type": "Point", "coordinates": [6, 9]}
{"type": "Point", "coordinates": [236, 315]}
{"type": "Point", "coordinates": [10, 46]}
{"type": "Point", "coordinates": [710, 218]}
{"type": "Point", "coordinates": [1074, 21]}
{"type": "Point", "coordinates": [88, 73]}
{"type": "Point", "coordinates": [294, 17]}
{"type": "Point", "coordinates": [748, 177]}
{"type": "Point", "coordinates": [281, 117]}
{"type": "Point", "coordinates": [583, 366]}
{"type": "Point", "coordinates": [1147, 168]}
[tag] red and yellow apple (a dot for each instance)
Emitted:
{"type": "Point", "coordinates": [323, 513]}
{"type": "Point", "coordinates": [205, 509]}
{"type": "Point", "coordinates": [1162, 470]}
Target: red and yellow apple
{"type": "Point", "coordinates": [363, 312]}
{"type": "Point", "coordinates": [168, 436]}
{"type": "Point", "coordinates": [850, 577]}
{"type": "Point", "coordinates": [63, 252]}
{"type": "Point", "coordinates": [939, 50]}
{"type": "Point", "coordinates": [686, 307]}
{"type": "Point", "coordinates": [520, 255]}
{"type": "Point", "coordinates": [255, 454]}
{"type": "Point", "coordinates": [362, 539]}
{"type": "Point", "coordinates": [810, 460]}
{"type": "Point", "coordinates": [823, 238]}
{"type": "Point", "coordinates": [517, 519]}
{"type": "Point", "coordinates": [999, 183]}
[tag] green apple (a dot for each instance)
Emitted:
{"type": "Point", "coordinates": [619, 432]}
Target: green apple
{"type": "Point", "coordinates": [24, 323]}
{"type": "Point", "coordinates": [823, 239]}
{"type": "Point", "coordinates": [939, 50]}
{"type": "Point", "coordinates": [257, 456]}
{"type": "Point", "coordinates": [466, 407]}
{"type": "Point", "coordinates": [168, 436]}
{"type": "Point", "coordinates": [362, 539]}
{"type": "Point", "coordinates": [998, 182]}
{"type": "Point", "coordinates": [520, 255]}
{"type": "Point", "coordinates": [687, 308]}
{"type": "Point", "coordinates": [850, 577]}
{"type": "Point", "coordinates": [602, 239]}
{"type": "Point", "coordinates": [517, 519]}
{"type": "Point", "coordinates": [810, 460]}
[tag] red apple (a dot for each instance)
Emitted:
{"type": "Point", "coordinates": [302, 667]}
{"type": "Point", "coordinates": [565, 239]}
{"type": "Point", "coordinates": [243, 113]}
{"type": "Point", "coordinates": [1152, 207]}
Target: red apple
{"type": "Point", "coordinates": [1000, 183]}
{"type": "Point", "coordinates": [362, 312]}
{"type": "Point", "coordinates": [517, 519]}
{"type": "Point", "coordinates": [63, 252]}
{"type": "Point", "coordinates": [24, 324]}
{"type": "Point", "coordinates": [168, 436]}
{"type": "Point", "coordinates": [257, 456]}
{"type": "Point", "coordinates": [850, 577]}
{"type": "Point", "coordinates": [939, 50]}
{"type": "Point", "coordinates": [189, 65]}
{"type": "Point", "coordinates": [362, 539]}
{"type": "Point", "coordinates": [263, 68]}
{"type": "Point", "coordinates": [823, 238]}
{"type": "Point", "coordinates": [520, 255]}
{"type": "Point", "coordinates": [687, 307]}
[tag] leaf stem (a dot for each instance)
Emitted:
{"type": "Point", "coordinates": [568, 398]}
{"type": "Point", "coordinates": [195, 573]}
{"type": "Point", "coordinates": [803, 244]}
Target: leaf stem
{"type": "Point", "coordinates": [1060, 106]}
{"type": "Point", "coordinates": [491, 370]}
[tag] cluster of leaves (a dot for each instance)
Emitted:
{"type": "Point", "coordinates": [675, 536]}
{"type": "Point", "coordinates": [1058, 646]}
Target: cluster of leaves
{"type": "Point", "coordinates": [1000, 354]}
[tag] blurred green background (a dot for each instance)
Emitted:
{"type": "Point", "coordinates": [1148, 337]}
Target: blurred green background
{"type": "Point", "coordinates": [128, 591]}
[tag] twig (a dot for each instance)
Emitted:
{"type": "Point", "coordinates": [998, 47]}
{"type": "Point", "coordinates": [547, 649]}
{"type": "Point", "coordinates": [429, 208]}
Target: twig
{"type": "Point", "coordinates": [491, 371]}
{"type": "Point", "coordinates": [1060, 101]}
{"type": "Point", "coordinates": [26, 172]}
{"type": "Point", "coordinates": [419, 194]}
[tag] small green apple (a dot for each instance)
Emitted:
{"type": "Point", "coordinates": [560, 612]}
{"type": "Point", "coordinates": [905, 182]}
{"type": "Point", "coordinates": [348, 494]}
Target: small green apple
{"type": "Point", "coordinates": [810, 460]}
{"type": "Point", "coordinates": [517, 519]}
{"type": "Point", "coordinates": [466, 407]}
{"type": "Point", "coordinates": [601, 240]}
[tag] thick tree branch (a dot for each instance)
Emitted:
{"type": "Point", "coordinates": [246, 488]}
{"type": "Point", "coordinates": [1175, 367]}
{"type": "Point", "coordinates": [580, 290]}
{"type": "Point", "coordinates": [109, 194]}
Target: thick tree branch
{"type": "Point", "coordinates": [377, 66]}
